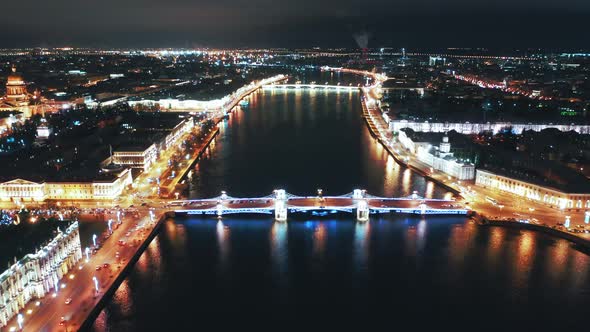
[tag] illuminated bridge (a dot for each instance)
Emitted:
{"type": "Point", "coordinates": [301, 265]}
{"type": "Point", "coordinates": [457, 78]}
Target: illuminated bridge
{"type": "Point", "coordinates": [311, 86]}
{"type": "Point", "coordinates": [280, 203]}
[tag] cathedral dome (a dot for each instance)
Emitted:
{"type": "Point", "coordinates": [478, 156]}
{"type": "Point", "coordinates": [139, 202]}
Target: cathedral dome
{"type": "Point", "coordinates": [15, 78]}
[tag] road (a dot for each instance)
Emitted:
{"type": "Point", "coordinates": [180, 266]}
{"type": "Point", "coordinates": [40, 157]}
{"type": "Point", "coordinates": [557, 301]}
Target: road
{"type": "Point", "coordinates": [45, 315]}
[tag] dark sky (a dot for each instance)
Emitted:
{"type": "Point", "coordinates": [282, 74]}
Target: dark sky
{"type": "Point", "coordinates": [290, 23]}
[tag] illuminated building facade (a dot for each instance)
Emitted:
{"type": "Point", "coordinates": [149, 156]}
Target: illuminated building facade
{"type": "Point", "coordinates": [7, 119]}
{"type": "Point", "coordinates": [476, 128]}
{"type": "Point", "coordinates": [16, 93]}
{"type": "Point", "coordinates": [439, 158]}
{"type": "Point", "coordinates": [543, 194]}
{"type": "Point", "coordinates": [180, 129]}
{"type": "Point", "coordinates": [20, 190]}
{"type": "Point", "coordinates": [37, 274]}
{"type": "Point", "coordinates": [139, 157]}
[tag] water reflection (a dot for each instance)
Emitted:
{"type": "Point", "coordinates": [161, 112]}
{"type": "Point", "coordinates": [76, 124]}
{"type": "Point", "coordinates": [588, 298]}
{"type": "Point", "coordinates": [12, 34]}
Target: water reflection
{"type": "Point", "coordinates": [421, 235]}
{"type": "Point", "coordinates": [406, 183]}
{"type": "Point", "coordinates": [429, 189]}
{"type": "Point", "coordinates": [223, 244]}
{"type": "Point", "coordinates": [319, 240]}
{"type": "Point", "coordinates": [123, 299]}
{"type": "Point", "coordinates": [525, 254]}
{"type": "Point", "coordinates": [279, 246]}
{"type": "Point", "coordinates": [557, 260]}
{"type": "Point", "coordinates": [362, 233]}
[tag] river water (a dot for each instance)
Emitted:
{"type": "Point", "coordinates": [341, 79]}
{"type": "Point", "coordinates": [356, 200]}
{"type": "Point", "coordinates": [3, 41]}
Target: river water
{"type": "Point", "coordinates": [395, 271]}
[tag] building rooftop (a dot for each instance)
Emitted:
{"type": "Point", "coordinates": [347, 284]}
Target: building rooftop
{"type": "Point", "coordinates": [16, 241]}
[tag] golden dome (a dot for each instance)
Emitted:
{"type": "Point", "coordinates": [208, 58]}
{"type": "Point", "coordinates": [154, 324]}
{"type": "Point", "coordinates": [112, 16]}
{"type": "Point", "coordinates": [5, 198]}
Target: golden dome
{"type": "Point", "coordinates": [14, 78]}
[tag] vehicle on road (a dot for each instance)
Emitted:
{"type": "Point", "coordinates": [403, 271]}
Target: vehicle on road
{"type": "Point", "coordinates": [98, 267]}
{"type": "Point", "coordinates": [491, 200]}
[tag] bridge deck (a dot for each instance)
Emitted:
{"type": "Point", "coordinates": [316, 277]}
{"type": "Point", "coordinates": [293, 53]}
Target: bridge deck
{"type": "Point", "coordinates": [298, 203]}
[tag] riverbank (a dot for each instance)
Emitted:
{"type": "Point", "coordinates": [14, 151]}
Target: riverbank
{"type": "Point", "coordinates": [169, 186]}
{"type": "Point", "coordinates": [114, 285]}
{"type": "Point", "coordinates": [378, 129]}
{"type": "Point", "coordinates": [90, 285]}
{"type": "Point", "coordinates": [575, 239]}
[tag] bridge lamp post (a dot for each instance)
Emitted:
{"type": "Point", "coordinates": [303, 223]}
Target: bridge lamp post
{"type": "Point", "coordinates": [176, 194]}
{"type": "Point", "coordinates": [87, 252]}
{"type": "Point", "coordinates": [110, 223]}
{"type": "Point", "coordinates": [94, 239]}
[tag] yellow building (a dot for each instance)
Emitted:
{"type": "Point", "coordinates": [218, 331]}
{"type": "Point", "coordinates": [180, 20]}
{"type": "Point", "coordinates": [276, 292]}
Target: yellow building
{"type": "Point", "coordinates": [20, 190]}
{"type": "Point", "coordinates": [542, 194]}
{"type": "Point", "coordinates": [16, 91]}
{"type": "Point", "coordinates": [136, 156]}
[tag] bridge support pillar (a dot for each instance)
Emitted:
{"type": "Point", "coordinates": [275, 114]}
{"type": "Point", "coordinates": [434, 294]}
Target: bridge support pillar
{"type": "Point", "coordinates": [280, 205]}
{"type": "Point", "coordinates": [219, 210]}
{"type": "Point", "coordinates": [422, 208]}
{"type": "Point", "coordinates": [362, 211]}
{"type": "Point", "coordinates": [280, 210]}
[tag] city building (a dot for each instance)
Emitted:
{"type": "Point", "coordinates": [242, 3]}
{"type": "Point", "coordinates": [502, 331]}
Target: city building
{"type": "Point", "coordinates": [107, 186]}
{"type": "Point", "coordinates": [7, 119]}
{"type": "Point", "coordinates": [439, 158]}
{"type": "Point", "coordinates": [476, 128]}
{"type": "Point", "coordinates": [16, 96]}
{"type": "Point", "coordinates": [136, 156]}
{"type": "Point", "coordinates": [563, 199]}
{"type": "Point", "coordinates": [43, 130]}
{"type": "Point", "coordinates": [37, 274]}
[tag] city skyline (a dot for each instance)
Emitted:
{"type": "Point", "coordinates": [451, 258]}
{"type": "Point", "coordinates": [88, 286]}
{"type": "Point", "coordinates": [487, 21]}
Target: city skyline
{"type": "Point", "coordinates": [167, 165]}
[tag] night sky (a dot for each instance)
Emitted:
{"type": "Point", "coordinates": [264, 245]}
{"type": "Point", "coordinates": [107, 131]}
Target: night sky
{"type": "Point", "coordinates": [300, 23]}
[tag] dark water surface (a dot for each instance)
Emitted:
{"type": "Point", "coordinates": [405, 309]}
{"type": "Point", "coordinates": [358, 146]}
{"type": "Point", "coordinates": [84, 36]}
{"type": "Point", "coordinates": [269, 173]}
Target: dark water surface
{"type": "Point", "coordinates": [395, 272]}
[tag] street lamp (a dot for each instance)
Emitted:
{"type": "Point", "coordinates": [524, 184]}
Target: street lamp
{"type": "Point", "coordinates": [176, 194]}
{"type": "Point", "coordinates": [567, 222]}
{"type": "Point", "coordinates": [110, 223]}
{"type": "Point", "coordinates": [20, 320]}
{"type": "Point", "coordinates": [95, 283]}
{"type": "Point", "coordinates": [87, 252]}
{"type": "Point", "coordinates": [587, 217]}
{"type": "Point", "coordinates": [94, 239]}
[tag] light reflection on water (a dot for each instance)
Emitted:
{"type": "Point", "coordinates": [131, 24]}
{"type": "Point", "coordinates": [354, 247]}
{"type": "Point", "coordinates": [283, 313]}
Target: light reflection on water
{"type": "Point", "coordinates": [444, 256]}
{"type": "Point", "coordinates": [253, 269]}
